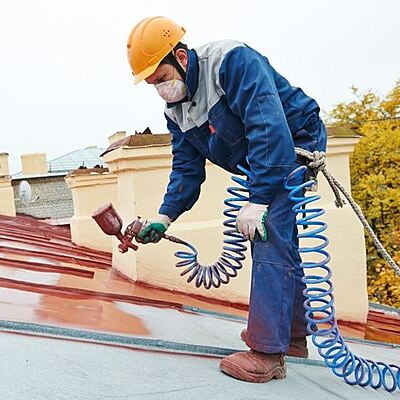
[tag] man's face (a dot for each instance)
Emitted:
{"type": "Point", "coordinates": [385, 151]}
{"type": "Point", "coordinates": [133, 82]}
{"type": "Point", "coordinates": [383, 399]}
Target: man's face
{"type": "Point", "coordinates": [164, 72]}
{"type": "Point", "coordinates": [167, 72]}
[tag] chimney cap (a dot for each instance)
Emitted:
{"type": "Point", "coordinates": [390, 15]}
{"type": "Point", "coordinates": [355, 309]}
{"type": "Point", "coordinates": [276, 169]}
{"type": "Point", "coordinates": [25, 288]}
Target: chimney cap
{"type": "Point", "coordinates": [33, 154]}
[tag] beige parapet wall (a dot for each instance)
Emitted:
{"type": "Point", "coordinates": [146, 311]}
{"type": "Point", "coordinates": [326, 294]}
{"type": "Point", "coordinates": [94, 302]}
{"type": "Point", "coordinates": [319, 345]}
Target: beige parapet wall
{"type": "Point", "coordinates": [7, 203]}
{"type": "Point", "coordinates": [140, 180]}
{"type": "Point", "coordinates": [90, 189]}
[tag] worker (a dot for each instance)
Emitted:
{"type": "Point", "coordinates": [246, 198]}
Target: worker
{"type": "Point", "coordinates": [226, 103]}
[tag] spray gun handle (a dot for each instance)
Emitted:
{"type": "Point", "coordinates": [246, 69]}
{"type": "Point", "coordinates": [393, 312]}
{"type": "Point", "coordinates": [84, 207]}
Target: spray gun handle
{"type": "Point", "coordinates": [131, 231]}
{"type": "Point", "coordinates": [125, 245]}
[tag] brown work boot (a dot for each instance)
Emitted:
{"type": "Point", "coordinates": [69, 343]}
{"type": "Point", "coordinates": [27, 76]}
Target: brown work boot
{"type": "Point", "coordinates": [297, 346]}
{"type": "Point", "coordinates": [253, 366]}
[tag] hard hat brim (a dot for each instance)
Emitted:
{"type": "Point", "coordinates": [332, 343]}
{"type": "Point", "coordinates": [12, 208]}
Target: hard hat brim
{"type": "Point", "coordinates": [146, 73]}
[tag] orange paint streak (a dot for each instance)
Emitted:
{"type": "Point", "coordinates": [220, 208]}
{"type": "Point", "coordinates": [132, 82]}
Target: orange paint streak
{"type": "Point", "coordinates": [37, 266]}
{"type": "Point", "coordinates": [58, 252]}
{"type": "Point", "coordinates": [92, 314]}
{"type": "Point", "coordinates": [146, 290]}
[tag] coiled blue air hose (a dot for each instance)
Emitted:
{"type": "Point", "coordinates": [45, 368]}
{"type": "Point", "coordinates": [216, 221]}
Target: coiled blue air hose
{"type": "Point", "coordinates": [232, 257]}
{"type": "Point", "coordinates": [319, 303]}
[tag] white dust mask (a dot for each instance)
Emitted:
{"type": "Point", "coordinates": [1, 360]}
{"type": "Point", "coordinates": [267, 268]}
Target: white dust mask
{"type": "Point", "coordinates": [171, 91]}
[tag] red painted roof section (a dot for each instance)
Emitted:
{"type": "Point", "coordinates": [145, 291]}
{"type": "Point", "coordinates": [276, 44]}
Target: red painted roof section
{"type": "Point", "coordinates": [45, 278]}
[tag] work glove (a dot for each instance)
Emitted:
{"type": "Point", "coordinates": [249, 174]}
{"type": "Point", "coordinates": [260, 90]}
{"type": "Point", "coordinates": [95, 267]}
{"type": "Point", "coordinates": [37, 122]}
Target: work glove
{"type": "Point", "coordinates": [251, 220]}
{"type": "Point", "coordinates": [153, 229]}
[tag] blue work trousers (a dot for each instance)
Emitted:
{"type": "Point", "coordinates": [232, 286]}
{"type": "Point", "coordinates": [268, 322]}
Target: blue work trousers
{"type": "Point", "coordinates": [276, 311]}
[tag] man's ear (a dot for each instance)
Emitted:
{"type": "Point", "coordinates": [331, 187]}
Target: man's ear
{"type": "Point", "coordinates": [182, 57]}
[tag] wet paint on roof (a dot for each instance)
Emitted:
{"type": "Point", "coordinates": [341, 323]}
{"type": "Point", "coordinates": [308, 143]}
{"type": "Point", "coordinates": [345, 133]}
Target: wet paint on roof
{"type": "Point", "coordinates": [69, 296]}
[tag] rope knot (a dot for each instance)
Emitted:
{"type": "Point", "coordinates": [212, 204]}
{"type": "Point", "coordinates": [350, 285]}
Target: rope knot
{"type": "Point", "coordinates": [318, 161]}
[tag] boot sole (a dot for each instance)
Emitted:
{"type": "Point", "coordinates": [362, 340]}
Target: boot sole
{"type": "Point", "coordinates": [239, 373]}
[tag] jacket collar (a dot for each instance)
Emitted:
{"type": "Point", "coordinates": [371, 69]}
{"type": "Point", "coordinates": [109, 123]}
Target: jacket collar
{"type": "Point", "coordinates": [192, 78]}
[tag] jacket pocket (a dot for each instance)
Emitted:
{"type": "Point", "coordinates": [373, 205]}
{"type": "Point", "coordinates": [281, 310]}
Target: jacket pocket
{"type": "Point", "coordinates": [225, 124]}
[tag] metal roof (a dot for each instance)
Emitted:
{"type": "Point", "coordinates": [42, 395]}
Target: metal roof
{"type": "Point", "coordinates": [88, 157]}
{"type": "Point", "coordinates": [44, 368]}
{"type": "Point", "coordinates": [69, 325]}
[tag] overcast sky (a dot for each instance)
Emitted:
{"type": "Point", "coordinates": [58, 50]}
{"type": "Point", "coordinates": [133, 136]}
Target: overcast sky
{"type": "Point", "coordinates": [65, 82]}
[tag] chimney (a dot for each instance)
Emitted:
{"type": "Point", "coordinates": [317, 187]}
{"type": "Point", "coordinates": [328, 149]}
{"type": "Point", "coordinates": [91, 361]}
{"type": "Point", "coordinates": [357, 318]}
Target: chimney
{"type": "Point", "coordinates": [4, 171]}
{"type": "Point", "coordinates": [116, 136]}
{"type": "Point", "coordinates": [34, 164]}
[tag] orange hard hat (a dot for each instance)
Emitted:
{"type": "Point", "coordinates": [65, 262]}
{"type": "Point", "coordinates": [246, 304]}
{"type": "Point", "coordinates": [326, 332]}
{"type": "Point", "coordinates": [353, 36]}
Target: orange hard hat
{"type": "Point", "coordinates": [149, 42]}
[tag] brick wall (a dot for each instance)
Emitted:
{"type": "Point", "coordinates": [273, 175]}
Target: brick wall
{"type": "Point", "coordinates": [55, 199]}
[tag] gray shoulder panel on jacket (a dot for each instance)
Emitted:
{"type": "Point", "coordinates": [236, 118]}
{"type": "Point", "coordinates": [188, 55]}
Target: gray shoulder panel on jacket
{"type": "Point", "coordinates": [210, 57]}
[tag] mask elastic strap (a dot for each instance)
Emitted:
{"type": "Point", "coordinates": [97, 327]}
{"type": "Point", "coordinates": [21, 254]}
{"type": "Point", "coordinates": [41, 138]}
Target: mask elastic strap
{"type": "Point", "coordinates": [170, 58]}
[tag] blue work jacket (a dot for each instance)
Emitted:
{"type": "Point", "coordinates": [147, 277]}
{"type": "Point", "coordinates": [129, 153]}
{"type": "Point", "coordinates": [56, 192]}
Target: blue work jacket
{"type": "Point", "coordinates": [238, 110]}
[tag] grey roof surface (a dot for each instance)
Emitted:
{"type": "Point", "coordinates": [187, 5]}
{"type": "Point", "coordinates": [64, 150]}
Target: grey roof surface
{"type": "Point", "coordinates": [178, 361]}
{"type": "Point", "coordinates": [42, 368]}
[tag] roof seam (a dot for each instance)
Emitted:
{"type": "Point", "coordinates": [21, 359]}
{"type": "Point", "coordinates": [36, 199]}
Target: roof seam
{"type": "Point", "coordinates": [131, 341]}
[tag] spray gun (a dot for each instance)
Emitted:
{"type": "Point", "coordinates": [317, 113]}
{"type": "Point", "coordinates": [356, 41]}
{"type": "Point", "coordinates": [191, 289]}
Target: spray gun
{"type": "Point", "coordinates": [111, 224]}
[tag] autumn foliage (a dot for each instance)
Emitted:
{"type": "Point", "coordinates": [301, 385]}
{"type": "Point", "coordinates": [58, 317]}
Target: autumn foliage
{"type": "Point", "coordinates": [375, 179]}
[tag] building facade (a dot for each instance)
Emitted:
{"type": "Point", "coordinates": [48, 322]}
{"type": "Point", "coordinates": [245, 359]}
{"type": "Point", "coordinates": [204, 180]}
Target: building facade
{"type": "Point", "coordinates": [50, 196]}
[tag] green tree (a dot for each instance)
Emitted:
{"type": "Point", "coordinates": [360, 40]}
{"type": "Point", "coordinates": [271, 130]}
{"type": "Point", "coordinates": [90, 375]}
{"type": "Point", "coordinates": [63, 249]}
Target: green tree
{"type": "Point", "coordinates": [375, 180]}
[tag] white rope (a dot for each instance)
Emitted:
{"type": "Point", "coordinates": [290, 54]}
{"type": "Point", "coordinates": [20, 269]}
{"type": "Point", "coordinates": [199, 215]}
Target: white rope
{"type": "Point", "coordinates": [318, 163]}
